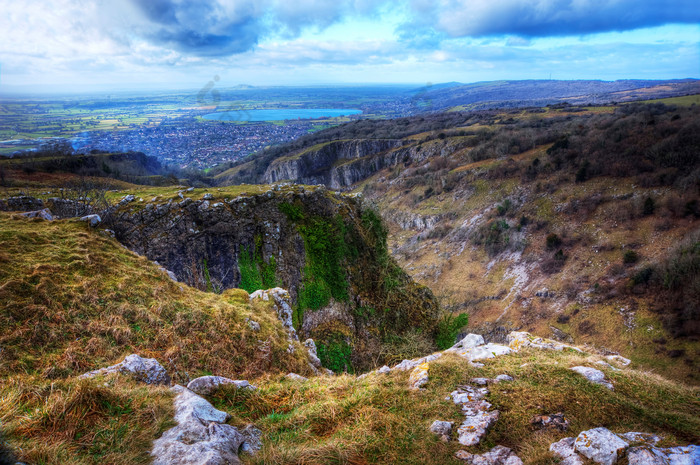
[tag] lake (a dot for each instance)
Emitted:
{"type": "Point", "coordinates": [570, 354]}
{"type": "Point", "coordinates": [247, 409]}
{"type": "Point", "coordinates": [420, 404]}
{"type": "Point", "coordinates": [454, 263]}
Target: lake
{"type": "Point", "coordinates": [280, 114]}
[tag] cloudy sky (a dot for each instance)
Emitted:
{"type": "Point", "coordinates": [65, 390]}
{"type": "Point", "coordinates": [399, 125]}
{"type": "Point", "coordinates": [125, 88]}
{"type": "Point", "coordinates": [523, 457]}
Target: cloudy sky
{"type": "Point", "coordinates": [79, 45]}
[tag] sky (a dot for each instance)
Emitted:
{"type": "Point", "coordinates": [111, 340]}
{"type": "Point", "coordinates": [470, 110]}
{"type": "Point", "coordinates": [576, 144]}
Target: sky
{"type": "Point", "coordinates": [112, 45]}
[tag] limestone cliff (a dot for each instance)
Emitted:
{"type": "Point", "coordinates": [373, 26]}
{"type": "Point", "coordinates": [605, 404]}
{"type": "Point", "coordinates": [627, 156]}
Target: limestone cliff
{"type": "Point", "coordinates": [324, 247]}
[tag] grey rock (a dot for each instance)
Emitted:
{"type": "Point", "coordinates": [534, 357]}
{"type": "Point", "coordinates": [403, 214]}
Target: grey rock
{"type": "Point", "coordinates": [383, 370]}
{"type": "Point", "coordinates": [200, 437]}
{"type": "Point", "coordinates": [554, 420]}
{"type": "Point", "coordinates": [646, 438]}
{"type": "Point", "coordinates": [442, 429]}
{"type": "Point", "coordinates": [619, 359]}
{"type": "Point", "coordinates": [92, 220]}
{"type": "Point", "coordinates": [207, 196]}
{"type": "Point", "coordinates": [499, 455]}
{"type": "Point", "coordinates": [600, 445]}
{"type": "Point", "coordinates": [296, 377]}
{"type": "Point", "coordinates": [646, 455]}
{"type": "Point", "coordinates": [44, 214]}
{"type": "Point", "coordinates": [594, 376]}
{"type": "Point", "coordinates": [419, 376]}
{"type": "Point", "coordinates": [477, 417]}
{"type": "Point", "coordinates": [564, 449]}
{"type": "Point", "coordinates": [519, 339]}
{"type": "Point", "coordinates": [503, 378]}
{"type": "Point", "coordinates": [146, 370]}
{"type": "Point", "coordinates": [206, 385]}
{"type": "Point", "coordinates": [313, 355]}
{"type": "Point", "coordinates": [469, 341]}
{"type": "Point", "coordinates": [283, 306]}
{"type": "Point", "coordinates": [254, 325]}
{"type": "Point", "coordinates": [252, 440]}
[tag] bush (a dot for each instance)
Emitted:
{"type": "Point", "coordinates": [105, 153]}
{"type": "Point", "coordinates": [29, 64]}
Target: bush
{"type": "Point", "coordinates": [553, 241]}
{"type": "Point", "coordinates": [630, 257]}
{"type": "Point", "coordinates": [448, 328]}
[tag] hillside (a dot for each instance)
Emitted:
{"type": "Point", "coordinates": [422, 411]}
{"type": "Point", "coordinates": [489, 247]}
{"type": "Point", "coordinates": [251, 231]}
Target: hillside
{"type": "Point", "coordinates": [573, 222]}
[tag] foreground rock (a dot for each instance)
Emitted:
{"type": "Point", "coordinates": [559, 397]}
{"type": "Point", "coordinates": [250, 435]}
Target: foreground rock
{"type": "Point", "coordinates": [553, 421]}
{"type": "Point", "coordinates": [146, 370]}
{"type": "Point", "coordinates": [206, 385]}
{"type": "Point", "coordinates": [602, 446]}
{"type": "Point", "coordinates": [419, 376]}
{"type": "Point", "coordinates": [594, 376]}
{"type": "Point", "coordinates": [442, 428]}
{"type": "Point", "coordinates": [520, 339]}
{"type": "Point", "coordinates": [499, 455]}
{"type": "Point", "coordinates": [200, 438]}
{"type": "Point", "coordinates": [44, 214]}
{"type": "Point", "coordinates": [478, 418]}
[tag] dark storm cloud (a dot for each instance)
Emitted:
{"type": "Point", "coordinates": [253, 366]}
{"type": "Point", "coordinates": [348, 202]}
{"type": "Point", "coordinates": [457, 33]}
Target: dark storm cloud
{"type": "Point", "coordinates": [204, 28]}
{"type": "Point", "coordinates": [541, 18]}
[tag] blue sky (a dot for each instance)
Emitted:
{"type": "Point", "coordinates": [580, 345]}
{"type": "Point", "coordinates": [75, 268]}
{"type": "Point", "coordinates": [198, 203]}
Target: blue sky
{"type": "Point", "coordinates": [83, 45]}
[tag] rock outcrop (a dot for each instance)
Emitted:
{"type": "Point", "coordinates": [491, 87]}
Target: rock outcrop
{"type": "Point", "coordinates": [201, 436]}
{"type": "Point", "coordinates": [336, 164]}
{"type": "Point", "coordinates": [602, 446]}
{"type": "Point", "coordinates": [206, 385]}
{"type": "Point", "coordinates": [282, 237]}
{"type": "Point", "coordinates": [146, 370]}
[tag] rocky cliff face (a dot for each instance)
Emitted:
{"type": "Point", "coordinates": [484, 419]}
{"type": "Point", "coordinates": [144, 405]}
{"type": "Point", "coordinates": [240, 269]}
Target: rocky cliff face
{"type": "Point", "coordinates": [335, 164]}
{"type": "Point", "coordinates": [322, 246]}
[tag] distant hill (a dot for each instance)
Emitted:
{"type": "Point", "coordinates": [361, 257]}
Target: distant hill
{"type": "Point", "coordinates": [492, 94]}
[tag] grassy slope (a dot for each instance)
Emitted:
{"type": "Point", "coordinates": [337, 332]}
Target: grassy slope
{"type": "Point", "coordinates": [72, 300]}
{"type": "Point", "coordinates": [598, 221]}
{"type": "Point", "coordinates": [379, 420]}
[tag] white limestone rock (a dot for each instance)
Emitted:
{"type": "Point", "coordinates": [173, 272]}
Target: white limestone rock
{"type": "Point", "coordinates": [44, 214]}
{"type": "Point", "coordinates": [92, 220]}
{"type": "Point", "coordinates": [146, 370]}
{"type": "Point", "coordinates": [442, 428]}
{"type": "Point", "coordinates": [477, 417]}
{"type": "Point", "coordinates": [499, 455]}
{"type": "Point", "coordinates": [206, 385]}
{"type": "Point", "coordinates": [419, 376]}
{"type": "Point", "coordinates": [600, 445]}
{"type": "Point", "coordinates": [594, 376]}
{"type": "Point", "coordinates": [200, 437]}
{"type": "Point", "coordinates": [468, 342]}
{"type": "Point", "coordinates": [518, 339]}
{"type": "Point", "coordinates": [283, 307]}
{"type": "Point", "coordinates": [564, 449]}
{"type": "Point", "coordinates": [296, 377]}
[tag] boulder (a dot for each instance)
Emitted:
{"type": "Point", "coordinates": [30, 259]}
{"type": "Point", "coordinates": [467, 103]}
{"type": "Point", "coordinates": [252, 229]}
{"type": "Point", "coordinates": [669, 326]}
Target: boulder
{"type": "Point", "coordinates": [252, 440]}
{"type": "Point", "coordinates": [200, 438]}
{"type": "Point", "coordinates": [313, 354]}
{"type": "Point", "coordinates": [499, 455]}
{"type": "Point", "coordinates": [593, 375]}
{"type": "Point", "coordinates": [518, 339]}
{"type": "Point", "coordinates": [419, 376]}
{"type": "Point", "coordinates": [553, 421]}
{"type": "Point", "coordinates": [442, 428]}
{"type": "Point", "coordinates": [44, 214]}
{"type": "Point", "coordinates": [146, 370]}
{"type": "Point", "coordinates": [564, 449]}
{"type": "Point", "coordinates": [296, 377]}
{"type": "Point", "coordinates": [206, 385]}
{"type": "Point", "coordinates": [383, 370]}
{"type": "Point", "coordinates": [469, 341]}
{"type": "Point", "coordinates": [92, 220]}
{"type": "Point", "coordinates": [283, 306]}
{"type": "Point", "coordinates": [646, 455]}
{"type": "Point", "coordinates": [477, 417]}
{"type": "Point", "coordinates": [600, 445]}
{"type": "Point", "coordinates": [619, 359]}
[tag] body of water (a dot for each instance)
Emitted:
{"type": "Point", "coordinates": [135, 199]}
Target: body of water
{"type": "Point", "coordinates": [279, 114]}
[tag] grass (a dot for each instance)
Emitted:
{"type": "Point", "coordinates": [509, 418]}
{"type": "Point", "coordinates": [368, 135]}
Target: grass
{"type": "Point", "coordinates": [73, 300]}
{"type": "Point", "coordinates": [377, 419]}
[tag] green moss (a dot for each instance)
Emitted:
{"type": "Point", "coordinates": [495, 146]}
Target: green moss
{"type": "Point", "coordinates": [335, 354]}
{"type": "Point", "coordinates": [255, 272]}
